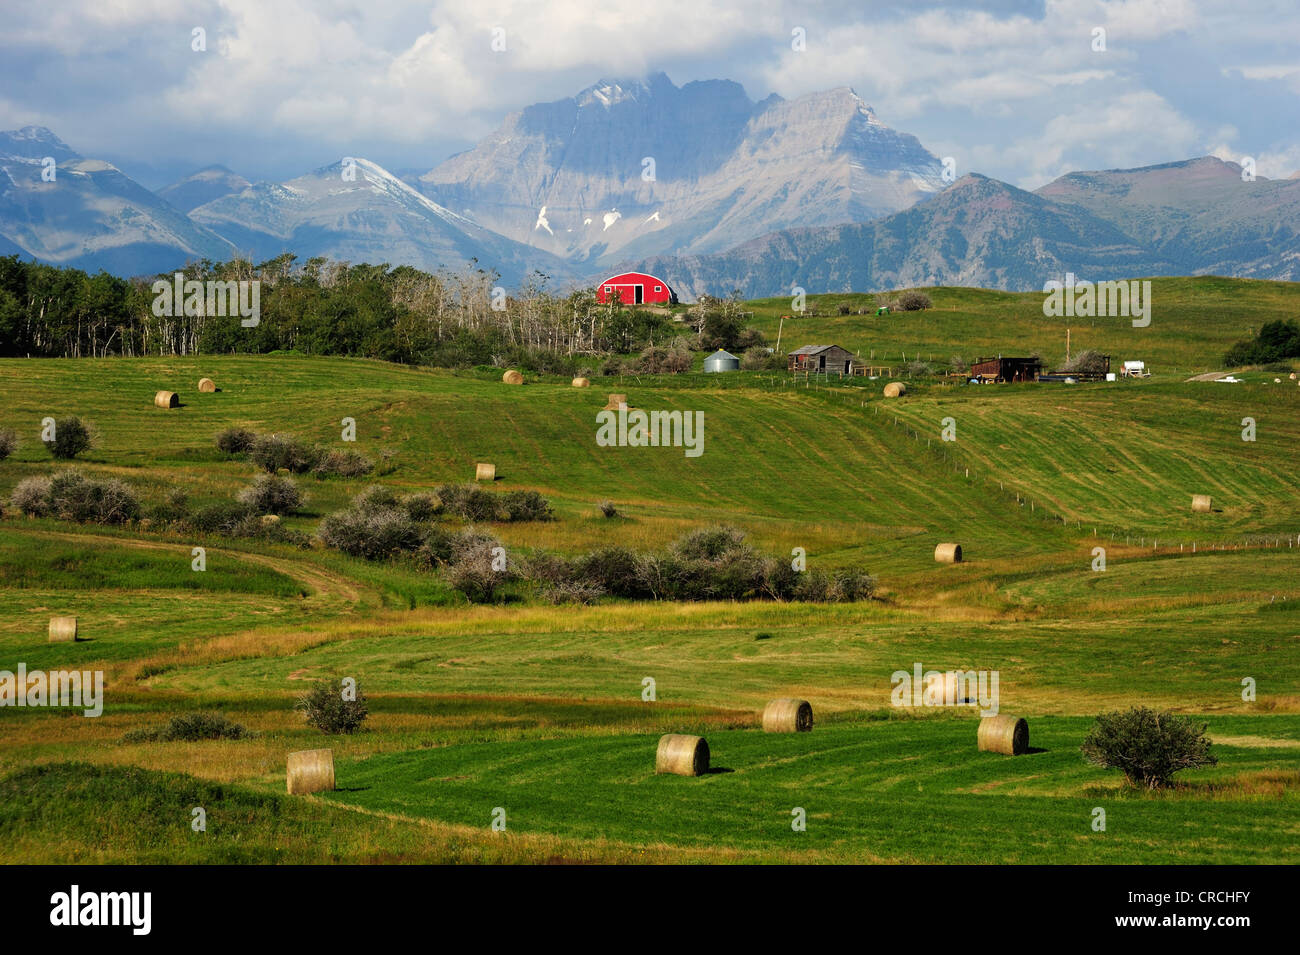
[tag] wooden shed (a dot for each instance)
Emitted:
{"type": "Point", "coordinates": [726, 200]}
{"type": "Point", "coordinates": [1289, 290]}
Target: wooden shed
{"type": "Point", "coordinates": [1005, 368]}
{"type": "Point", "coordinates": [821, 360]}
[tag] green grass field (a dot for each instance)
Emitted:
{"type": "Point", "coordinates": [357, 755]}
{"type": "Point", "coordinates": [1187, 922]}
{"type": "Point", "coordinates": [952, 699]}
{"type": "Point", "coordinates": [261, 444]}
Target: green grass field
{"type": "Point", "coordinates": [538, 709]}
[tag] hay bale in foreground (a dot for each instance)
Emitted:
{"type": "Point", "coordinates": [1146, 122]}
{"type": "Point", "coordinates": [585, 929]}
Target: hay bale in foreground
{"type": "Point", "coordinates": [1008, 735]}
{"type": "Point", "coordinates": [614, 402]}
{"type": "Point", "coordinates": [512, 377]}
{"type": "Point", "coordinates": [895, 389]}
{"type": "Point", "coordinates": [310, 771]}
{"type": "Point", "coordinates": [788, 716]}
{"type": "Point", "coordinates": [582, 382]}
{"type": "Point", "coordinates": [485, 472]}
{"type": "Point", "coordinates": [167, 399]}
{"type": "Point", "coordinates": [682, 755]}
{"type": "Point", "coordinates": [948, 553]}
{"type": "Point", "coordinates": [63, 630]}
{"type": "Point", "coordinates": [207, 386]}
{"type": "Point", "coordinates": [1201, 503]}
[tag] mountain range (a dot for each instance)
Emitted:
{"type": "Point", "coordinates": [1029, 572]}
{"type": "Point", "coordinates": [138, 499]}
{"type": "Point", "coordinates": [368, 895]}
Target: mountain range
{"type": "Point", "coordinates": [698, 184]}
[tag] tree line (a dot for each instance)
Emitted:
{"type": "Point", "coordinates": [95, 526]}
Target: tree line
{"type": "Point", "coordinates": [322, 307]}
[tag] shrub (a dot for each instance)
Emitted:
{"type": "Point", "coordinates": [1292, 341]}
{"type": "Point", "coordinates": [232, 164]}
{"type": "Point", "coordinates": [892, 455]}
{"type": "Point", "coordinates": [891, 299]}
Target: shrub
{"type": "Point", "coordinates": [272, 452]}
{"type": "Point", "coordinates": [467, 501]}
{"type": "Point", "coordinates": [8, 442]}
{"type": "Point", "coordinates": [173, 509]}
{"type": "Point", "coordinates": [32, 496]}
{"type": "Point", "coordinates": [474, 566]}
{"type": "Point", "coordinates": [73, 497]}
{"type": "Point", "coordinates": [572, 591]}
{"type": "Point", "coordinates": [421, 507]}
{"type": "Point", "coordinates": [374, 534]}
{"type": "Point", "coordinates": [844, 308]}
{"type": "Point", "coordinates": [608, 509]}
{"type": "Point", "coordinates": [235, 440]}
{"type": "Point", "coordinates": [759, 358]}
{"type": "Point", "coordinates": [1087, 362]}
{"type": "Point", "coordinates": [524, 506]}
{"type": "Point", "coordinates": [435, 547]}
{"type": "Point", "coordinates": [958, 365]}
{"type": "Point", "coordinates": [918, 369]}
{"type": "Point", "coordinates": [616, 570]}
{"type": "Point", "coordinates": [345, 463]}
{"type": "Point", "coordinates": [1146, 745]}
{"type": "Point", "coordinates": [912, 302]}
{"type": "Point", "coordinates": [189, 728]}
{"type": "Point", "coordinates": [224, 517]}
{"type": "Point", "coordinates": [324, 707]}
{"type": "Point", "coordinates": [269, 494]}
{"type": "Point", "coordinates": [71, 437]}
{"type": "Point", "coordinates": [376, 497]}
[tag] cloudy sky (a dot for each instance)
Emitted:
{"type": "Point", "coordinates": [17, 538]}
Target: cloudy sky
{"type": "Point", "coordinates": [1010, 88]}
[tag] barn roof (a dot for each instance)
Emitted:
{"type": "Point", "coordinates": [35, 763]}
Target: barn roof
{"type": "Point", "coordinates": [812, 349]}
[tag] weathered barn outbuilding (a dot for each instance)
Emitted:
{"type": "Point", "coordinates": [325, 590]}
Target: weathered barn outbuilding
{"type": "Point", "coordinates": [821, 360]}
{"type": "Point", "coordinates": [636, 288]}
{"type": "Point", "coordinates": [1006, 368]}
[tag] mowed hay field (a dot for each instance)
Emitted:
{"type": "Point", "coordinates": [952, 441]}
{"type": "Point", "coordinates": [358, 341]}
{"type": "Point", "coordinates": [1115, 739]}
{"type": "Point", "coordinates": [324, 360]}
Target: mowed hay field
{"type": "Point", "coordinates": [537, 710]}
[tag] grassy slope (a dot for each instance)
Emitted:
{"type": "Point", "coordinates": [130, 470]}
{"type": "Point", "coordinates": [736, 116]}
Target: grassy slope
{"type": "Point", "coordinates": [513, 695]}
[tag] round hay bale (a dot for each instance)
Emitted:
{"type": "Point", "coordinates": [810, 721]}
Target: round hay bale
{"type": "Point", "coordinates": [485, 472]}
{"type": "Point", "coordinates": [582, 382]}
{"type": "Point", "coordinates": [310, 771]}
{"type": "Point", "coordinates": [283, 472]}
{"type": "Point", "coordinates": [207, 386]}
{"type": "Point", "coordinates": [1008, 735]}
{"type": "Point", "coordinates": [895, 389]}
{"type": "Point", "coordinates": [63, 630]}
{"type": "Point", "coordinates": [948, 553]}
{"type": "Point", "coordinates": [1293, 376]}
{"type": "Point", "coordinates": [1201, 503]}
{"type": "Point", "coordinates": [788, 716]}
{"type": "Point", "coordinates": [682, 755]}
{"type": "Point", "coordinates": [512, 377]}
{"type": "Point", "coordinates": [615, 401]}
{"type": "Point", "coordinates": [167, 399]}
{"type": "Point", "coordinates": [269, 519]}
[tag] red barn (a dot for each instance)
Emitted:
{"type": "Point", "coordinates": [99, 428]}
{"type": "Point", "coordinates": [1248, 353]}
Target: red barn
{"type": "Point", "coordinates": [636, 288]}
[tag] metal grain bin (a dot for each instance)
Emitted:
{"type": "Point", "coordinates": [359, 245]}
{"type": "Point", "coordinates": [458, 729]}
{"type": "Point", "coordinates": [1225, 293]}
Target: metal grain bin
{"type": "Point", "coordinates": [722, 361]}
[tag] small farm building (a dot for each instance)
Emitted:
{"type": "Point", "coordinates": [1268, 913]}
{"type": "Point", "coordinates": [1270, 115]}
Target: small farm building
{"type": "Point", "coordinates": [636, 288]}
{"type": "Point", "coordinates": [1006, 369]}
{"type": "Point", "coordinates": [822, 360]}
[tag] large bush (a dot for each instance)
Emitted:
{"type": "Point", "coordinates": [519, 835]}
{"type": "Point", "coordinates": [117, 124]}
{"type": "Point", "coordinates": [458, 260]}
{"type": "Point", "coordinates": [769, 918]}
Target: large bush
{"type": "Point", "coordinates": [271, 494]}
{"type": "Point", "coordinates": [325, 707]}
{"type": "Point", "coordinates": [912, 302]}
{"type": "Point", "coordinates": [71, 496]}
{"type": "Point", "coordinates": [275, 451]}
{"type": "Point", "coordinates": [1087, 362]}
{"type": "Point", "coordinates": [475, 567]}
{"type": "Point", "coordinates": [374, 534]}
{"type": "Point", "coordinates": [344, 463]}
{"type": "Point", "coordinates": [32, 496]}
{"type": "Point", "coordinates": [70, 438]}
{"type": "Point", "coordinates": [235, 440]}
{"type": "Point", "coordinates": [8, 442]}
{"type": "Point", "coordinates": [1147, 746]}
{"type": "Point", "coordinates": [189, 728]}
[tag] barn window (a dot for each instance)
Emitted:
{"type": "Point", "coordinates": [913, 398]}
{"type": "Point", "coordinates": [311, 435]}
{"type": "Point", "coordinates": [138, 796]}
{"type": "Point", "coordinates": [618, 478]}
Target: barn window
{"type": "Point", "coordinates": [609, 289]}
{"type": "Point", "coordinates": [659, 288]}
